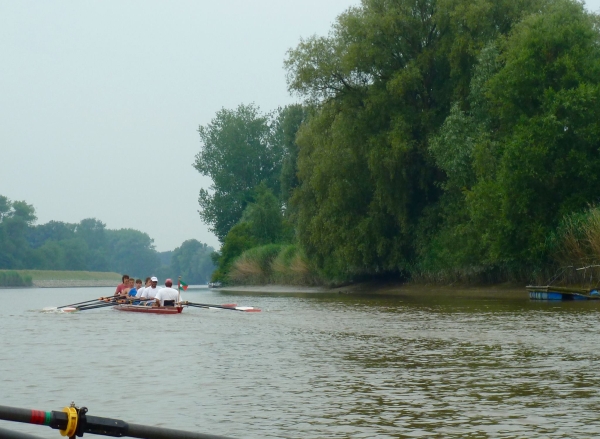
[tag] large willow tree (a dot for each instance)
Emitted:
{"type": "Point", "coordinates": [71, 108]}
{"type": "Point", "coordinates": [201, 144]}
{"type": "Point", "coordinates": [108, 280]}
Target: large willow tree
{"type": "Point", "coordinates": [382, 82]}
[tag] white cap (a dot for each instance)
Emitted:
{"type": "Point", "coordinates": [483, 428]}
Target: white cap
{"type": "Point", "coordinates": [154, 279]}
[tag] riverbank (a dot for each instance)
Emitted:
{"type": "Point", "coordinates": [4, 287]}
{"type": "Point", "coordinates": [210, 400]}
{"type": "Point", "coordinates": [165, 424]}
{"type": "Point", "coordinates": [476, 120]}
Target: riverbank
{"type": "Point", "coordinates": [70, 279]}
{"type": "Point", "coordinates": [386, 288]}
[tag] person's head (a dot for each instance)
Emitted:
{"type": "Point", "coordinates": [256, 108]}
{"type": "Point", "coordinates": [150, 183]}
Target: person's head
{"type": "Point", "coordinates": [131, 282]}
{"type": "Point", "coordinates": [154, 281]}
{"type": "Point", "coordinates": [168, 283]}
{"type": "Point", "coordinates": [125, 278]}
{"type": "Point", "coordinates": [138, 283]}
{"type": "Point", "coordinates": [147, 282]}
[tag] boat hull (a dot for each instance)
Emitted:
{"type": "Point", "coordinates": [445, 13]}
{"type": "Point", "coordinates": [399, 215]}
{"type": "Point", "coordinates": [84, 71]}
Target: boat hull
{"type": "Point", "coordinates": [554, 295]}
{"type": "Point", "coordinates": [150, 309]}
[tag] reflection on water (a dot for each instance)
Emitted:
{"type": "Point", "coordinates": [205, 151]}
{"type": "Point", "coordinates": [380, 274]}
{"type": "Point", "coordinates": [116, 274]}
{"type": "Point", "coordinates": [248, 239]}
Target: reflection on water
{"type": "Point", "coordinates": [311, 366]}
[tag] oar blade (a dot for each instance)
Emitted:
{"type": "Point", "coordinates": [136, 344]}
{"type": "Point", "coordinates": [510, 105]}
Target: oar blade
{"type": "Point", "coordinates": [229, 306]}
{"type": "Point", "coordinates": [247, 309]}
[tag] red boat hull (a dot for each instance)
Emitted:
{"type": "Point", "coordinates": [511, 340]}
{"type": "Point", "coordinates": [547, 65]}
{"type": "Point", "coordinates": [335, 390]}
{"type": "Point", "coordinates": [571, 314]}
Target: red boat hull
{"type": "Point", "coordinates": [150, 309]}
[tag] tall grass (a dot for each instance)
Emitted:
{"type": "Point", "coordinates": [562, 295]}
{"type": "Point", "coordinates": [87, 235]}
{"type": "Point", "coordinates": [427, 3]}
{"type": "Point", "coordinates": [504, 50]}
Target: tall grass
{"type": "Point", "coordinates": [14, 279]}
{"type": "Point", "coordinates": [575, 247]}
{"type": "Point", "coordinates": [273, 263]}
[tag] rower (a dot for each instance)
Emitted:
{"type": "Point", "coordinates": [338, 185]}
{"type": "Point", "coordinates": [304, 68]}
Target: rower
{"type": "Point", "coordinates": [140, 291]}
{"type": "Point", "coordinates": [151, 291]}
{"type": "Point", "coordinates": [130, 286]}
{"type": "Point", "coordinates": [167, 296]}
{"type": "Point", "coordinates": [134, 288]}
{"type": "Point", "coordinates": [124, 284]}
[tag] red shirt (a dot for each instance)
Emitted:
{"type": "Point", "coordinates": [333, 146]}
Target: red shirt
{"type": "Point", "coordinates": [120, 288]}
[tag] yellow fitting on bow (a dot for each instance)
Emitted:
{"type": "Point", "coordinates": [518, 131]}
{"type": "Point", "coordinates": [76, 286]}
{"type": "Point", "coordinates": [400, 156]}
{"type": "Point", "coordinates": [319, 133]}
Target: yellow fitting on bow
{"type": "Point", "coordinates": [71, 422]}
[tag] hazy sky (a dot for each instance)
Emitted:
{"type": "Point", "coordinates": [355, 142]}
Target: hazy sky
{"type": "Point", "coordinates": [100, 100]}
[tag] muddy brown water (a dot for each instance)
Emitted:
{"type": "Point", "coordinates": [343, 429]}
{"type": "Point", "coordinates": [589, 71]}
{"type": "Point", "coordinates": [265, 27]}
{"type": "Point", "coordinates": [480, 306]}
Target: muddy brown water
{"type": "Point", "coordinates": [311, 365]}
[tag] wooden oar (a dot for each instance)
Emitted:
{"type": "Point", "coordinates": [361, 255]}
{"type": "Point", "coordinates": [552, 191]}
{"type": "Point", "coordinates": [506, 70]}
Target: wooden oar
{"type": "Point", "coordinates": [235, 308]}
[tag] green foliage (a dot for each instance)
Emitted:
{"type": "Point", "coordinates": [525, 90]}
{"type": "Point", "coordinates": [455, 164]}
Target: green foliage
{"type": "Point", "coordinates": [238, 152]}
{"type": "Point", "coordinates": [524, 153]}
{"type": "Point", "coordinates": [546, 102]}
{"type": "Point", "coordinates": [192, 261]}
{"type": "Point", "coordinates": [132, 252]}
{"type": "Point", "coordinates": [238, 240]}
{"type": "Point", "coordinates": [265, 218]}
{"type": "Point", "coordinates": [51, 231]}
{"type": "Point", "coordinates": [14, 279]}
{"type": "Point", "coordinates": [273, 263]}
{"type": "Point", "coordinates": [287, 124]}
{"type": "Point", "coordinates": [254, 266]}
{"type": "Point", "coordinates": [88, 245]}
{"type": "Point", "coordinates": [384, 81]}
{"type": "Point", "coordinates": [262, 224]}
{"type": "Point", "coordinates": [15, 219]}
{"type": "Point", "coordinates": [576, 241]}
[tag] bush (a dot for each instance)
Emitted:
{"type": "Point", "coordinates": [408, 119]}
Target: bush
{"type": "Point", "coordinates": [273, 263]}
{"type": "Point", "coordinates": [14, 279]}
{"type": "Point", "coordinates": [575, 247]}
{"type": "Point", "coordinates": [254, 265]}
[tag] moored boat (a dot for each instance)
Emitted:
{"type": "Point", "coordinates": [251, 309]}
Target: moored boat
{"type": "Point", "coordinates": [150, 309]}
{"type": "Point", "coordinates": [549, 292]}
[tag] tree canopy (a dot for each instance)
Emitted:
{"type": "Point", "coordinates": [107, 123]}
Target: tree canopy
{"type": "Point", "coordinates": [238, 152]}
{"type": "Point", "coordinates": [436, 138]}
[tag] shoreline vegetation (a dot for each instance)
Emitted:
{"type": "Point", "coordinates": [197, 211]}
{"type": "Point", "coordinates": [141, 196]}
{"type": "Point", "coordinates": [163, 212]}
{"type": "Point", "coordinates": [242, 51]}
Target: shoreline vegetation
{"type": "Point", "coordinates": [382, 288]}
{"type": "Point", "coordinates": [57, 279]}
{"type": "Point", "coordinates": [434, 143]}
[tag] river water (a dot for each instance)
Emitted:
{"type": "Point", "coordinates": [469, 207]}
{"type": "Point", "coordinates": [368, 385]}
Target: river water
{"type": "Point", "coordinates": [311, 366]}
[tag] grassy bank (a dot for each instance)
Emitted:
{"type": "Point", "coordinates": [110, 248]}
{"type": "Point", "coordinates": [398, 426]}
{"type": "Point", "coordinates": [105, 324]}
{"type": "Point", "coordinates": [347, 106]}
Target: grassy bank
{"type": "Point", "coordinates": [54, 278]}
{"type": "Point", "coordinates": [37, 275]}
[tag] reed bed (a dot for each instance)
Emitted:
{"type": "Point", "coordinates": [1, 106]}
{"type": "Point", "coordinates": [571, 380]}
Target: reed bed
{"type": "Point", "coordinates": [274, 263]}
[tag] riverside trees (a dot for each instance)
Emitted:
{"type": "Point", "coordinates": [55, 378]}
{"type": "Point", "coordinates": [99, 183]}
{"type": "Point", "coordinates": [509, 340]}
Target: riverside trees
{"type": "Point", "coordinates": [384, 80]}
{"type": "Point", "coordinates": [443, 138]}
{"type": "Point", "coordinates": [89, 246]}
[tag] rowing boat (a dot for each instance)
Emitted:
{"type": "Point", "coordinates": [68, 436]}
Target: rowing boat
{"type": "Point", "coordinates": [150, 309]}
{"type": "Point", "coordinates": [549, 292]}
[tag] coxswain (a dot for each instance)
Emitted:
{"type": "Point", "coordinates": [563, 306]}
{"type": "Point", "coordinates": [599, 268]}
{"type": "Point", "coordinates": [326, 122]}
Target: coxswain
{"type": "Point", "coordinates": [167, 296]}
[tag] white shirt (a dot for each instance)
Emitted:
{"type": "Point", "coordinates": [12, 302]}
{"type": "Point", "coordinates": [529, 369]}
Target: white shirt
{"type": "Point", "coordinates": [149, 293]}
{"type": "Point", "coordinates": [166, 294]}
{"type": "Point", "coordinates": [140, 292]}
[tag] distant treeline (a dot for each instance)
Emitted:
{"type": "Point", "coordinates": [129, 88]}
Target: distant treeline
{"type": "Point", "coordinates": [89, 246]}
{"type": "Point", "coordinates": [437, 141]}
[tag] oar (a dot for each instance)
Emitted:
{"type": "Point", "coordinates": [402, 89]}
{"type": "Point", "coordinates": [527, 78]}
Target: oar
{"type": "Point", "coordinates": [75, 421]}
{"type": "Point", "coordinates": [8, 434]}
{"type": "Point", "coordinates": [94, 306]}
{"type": "Point", "coordinates": [236, 308]}
{"type": "Point", "coordinates": [87, 301]}
{"type": "Point", "coordinates": [104, 305]}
